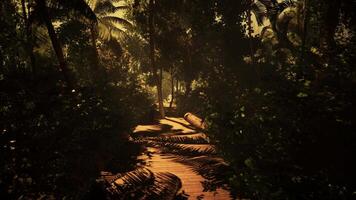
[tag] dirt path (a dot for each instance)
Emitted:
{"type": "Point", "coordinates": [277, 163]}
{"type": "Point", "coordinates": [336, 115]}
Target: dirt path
{"type": "Point", "coordinates": [161, 156]}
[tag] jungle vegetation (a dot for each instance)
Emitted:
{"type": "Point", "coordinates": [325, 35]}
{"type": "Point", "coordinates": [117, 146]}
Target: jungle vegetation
{"type": "Point", "coordinates": [274, 80]}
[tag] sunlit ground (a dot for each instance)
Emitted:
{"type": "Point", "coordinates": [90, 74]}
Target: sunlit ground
{"type": "Point", "coordinates": [158, 161]}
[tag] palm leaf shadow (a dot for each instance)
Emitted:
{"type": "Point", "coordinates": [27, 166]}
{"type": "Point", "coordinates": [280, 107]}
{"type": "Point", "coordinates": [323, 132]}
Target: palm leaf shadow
{"type": "Point", "coordinates": [180, 139]}
{"type": "Point", "coordinates": [214, 169]}
{"type": "Point", "coordinates": [178, 149]}
{"type": "Point", "coordinates": [141, 183]}
{"type": "Point", "coordinates": [180, 123]}
{"type": "Point", "coordinates": [157, 130]}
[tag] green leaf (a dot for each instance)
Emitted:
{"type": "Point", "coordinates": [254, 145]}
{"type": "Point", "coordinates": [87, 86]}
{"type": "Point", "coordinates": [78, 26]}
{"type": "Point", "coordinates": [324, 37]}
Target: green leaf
{"type": "Point", "coordinates": [249, 162]}
{"type": "Point", "coordinates": [302, 95]}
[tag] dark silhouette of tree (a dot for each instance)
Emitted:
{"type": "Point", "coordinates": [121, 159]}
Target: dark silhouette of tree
{"type": "Point", "coordinates": [157, 78]}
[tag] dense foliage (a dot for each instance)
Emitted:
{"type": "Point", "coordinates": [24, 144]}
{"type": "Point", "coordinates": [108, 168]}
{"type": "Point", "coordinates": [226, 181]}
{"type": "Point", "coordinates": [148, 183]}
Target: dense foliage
{"type": "Point", "coordinates": [279, 102]}
{"type": "Point", "coordinates": [56, 138]}
{"type": "Point", "coordinates": [274, 81]}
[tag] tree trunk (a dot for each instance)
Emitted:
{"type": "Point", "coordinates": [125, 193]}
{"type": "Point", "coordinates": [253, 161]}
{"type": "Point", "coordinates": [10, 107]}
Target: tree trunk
{"type": "Point", "coordinates": [29, 38]}
{"type": "Point", "coordinates": [188, 87]}
{"type": "Point", "coordinates": [1, 60]}
{"type": "Point", "coordinates": [55, 41]}
{"type": "Point", "coordinates": [188, 79]}
{"type": "Point", "coordinates": [177, 86]}
{"type": "Point", "coordinates": [305, 29]}
{"type": "Point", "coordinates": [172, 89]}
{"type": "Point", "coordinates": [331, 16]}
{"type": "Point", "coordinates": [152, 58]}
{"type": "Point", "coordinates": [160, 93]}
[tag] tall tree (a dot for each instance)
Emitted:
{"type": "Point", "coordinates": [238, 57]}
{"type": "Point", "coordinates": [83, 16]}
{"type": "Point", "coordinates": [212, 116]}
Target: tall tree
{"type": "Point", "coordinates": [28, 34]}
{"type": "Point", "coordinates": [331, 18]}
{"type": "Point", "coordinates": [42, 13]}
{"type": "Point", "coordinates": [172, 88]}
{"type": "Point", "coordinates": [156, 77]}
{"type": "Point", "coordinates": [57, 47]}
{"type": "Point", "coordinates": [108, 22]}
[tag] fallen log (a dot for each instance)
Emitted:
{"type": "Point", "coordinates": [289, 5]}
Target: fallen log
{"type": "Point", "coordinates": [195, 121]}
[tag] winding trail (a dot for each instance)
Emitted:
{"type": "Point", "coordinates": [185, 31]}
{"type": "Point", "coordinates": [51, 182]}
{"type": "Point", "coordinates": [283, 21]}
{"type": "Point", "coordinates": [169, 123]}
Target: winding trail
{"type": "Point", "coordinates": [157, 159]}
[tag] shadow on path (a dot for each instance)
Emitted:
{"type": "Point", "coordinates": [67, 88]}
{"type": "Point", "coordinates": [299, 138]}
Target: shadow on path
{"type": "Point", "coordinates": [178, 163]}
{"type": "Point", "coordinates": [178, 122]}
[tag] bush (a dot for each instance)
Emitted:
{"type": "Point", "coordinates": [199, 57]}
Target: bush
{"type": "Point", "coordinates": [288, 139]}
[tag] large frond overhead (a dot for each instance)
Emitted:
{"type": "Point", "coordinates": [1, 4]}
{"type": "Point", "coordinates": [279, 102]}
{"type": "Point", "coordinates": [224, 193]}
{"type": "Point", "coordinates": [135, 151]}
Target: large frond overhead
{"type": "Point", "coordinates": [116, 20]}
{"type": "Point", "coordinates": [110, 24]}
{"type": "Point", "coordinates": [105, 7]}
{"type": "Point", "coordinates": [260, 11]}
{"type": "Point", "coordinates": [104, 30]}
{"type": "Point", "coordinates": [118, 32]}
{"type": "Point", "coordinates": [107, 30]}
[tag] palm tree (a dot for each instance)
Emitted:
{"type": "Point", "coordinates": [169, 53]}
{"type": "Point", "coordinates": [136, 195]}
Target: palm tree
{"type": "Point", "coordinates": [44, 15]}
{"type": "Point", "coordinates": [41, 14]}
{"type": "Point", "coordinates": [108, 24]}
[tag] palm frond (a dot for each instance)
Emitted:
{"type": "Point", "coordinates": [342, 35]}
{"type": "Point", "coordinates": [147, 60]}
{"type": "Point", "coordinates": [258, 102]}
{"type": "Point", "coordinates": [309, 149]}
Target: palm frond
{"type": "Point", "coordinates": [141, 184]}
{"type": "Point", "coordinates": [130, 184]}
{"type": "Point", "coordinates": [179, 149]}
{"type": "Point", "coordinates": [134, 178]}
{"type": "Point", "coordinates": [108, 30]}
{"type": "Point", "coordinates": [104, 31]}
{"type": "Point", "coordinates": [260, 11]}
{"type": "Point", "coordinates": [116, 20]}
{"type": "Point", "coordinates": [166, 186]}
{"type": "Point", "coordinates": [117, 32]}
{"type": "Point", "coordinates": [115, 46]}
{"type": "Point", "coordinates": [180, 139]}
{"type": "Point", "coordinates": [214, 169]}
{"type": "Point", "coordinates": [106, 7]}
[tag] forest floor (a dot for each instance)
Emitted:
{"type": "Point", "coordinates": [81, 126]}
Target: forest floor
{"type": "Point", "coordinates": [158, 160]}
